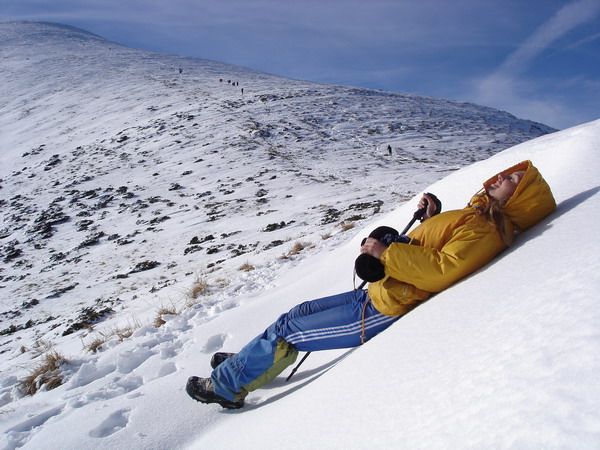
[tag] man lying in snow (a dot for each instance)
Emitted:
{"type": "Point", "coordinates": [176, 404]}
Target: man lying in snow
{"type": "Point", "coordinates": [443, 249]}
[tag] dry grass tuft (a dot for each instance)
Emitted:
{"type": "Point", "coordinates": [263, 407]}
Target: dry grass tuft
{"type": "Point", "coordinates": [40, 347]}
{"type": "Point", "coordinates": [164, 311]}
{"type": "Point", "coordinates": [246, 267]}
{"type": "Point", "coordinates": [46, 374]}
{"type": "Point", "coordinates": [345, 226]}
{"type": "Point", "coordinates": [94, 345]}
{"type": "Point", "coordinates": [199, 287]}
{"type": "Point", "coordinates": [297, 248]}
{"type": "Point", "coordinates": [222, 283]}
{"type": "Point", "coordinates": [121, 333]}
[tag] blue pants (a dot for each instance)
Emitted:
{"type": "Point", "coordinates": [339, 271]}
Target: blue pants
{"type": "Point", "coordinates": [327, 323]}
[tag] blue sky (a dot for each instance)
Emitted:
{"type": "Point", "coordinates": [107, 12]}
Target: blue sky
{"type": "Point", "coordinates": [538, 59]}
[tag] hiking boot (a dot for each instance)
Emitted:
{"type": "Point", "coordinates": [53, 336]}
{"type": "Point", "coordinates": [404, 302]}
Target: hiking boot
{"type": "Point", "coordinates": [202, 390]}
{"type": "Point", "coordinates": [219, 357]}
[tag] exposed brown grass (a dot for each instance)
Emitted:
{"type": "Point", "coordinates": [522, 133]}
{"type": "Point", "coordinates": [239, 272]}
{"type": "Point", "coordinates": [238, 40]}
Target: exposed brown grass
{"type": "Point", "coordinates": [222, 283]}
{"type": "Point", "coordinates": [94, 345]}
{"type": "Point", "coordinates": [40, 347]}
{"type": "Point", "coordinates": [297, 248]}
{"type": "Point", "coordinates": [246, 267]}
{"type": "Point", "coordinates": [121, 333]}
{"type": "Point", "coordinates": [46, 374]}
{"type": "Point", "coordinates": [345, 226]}
{"type": "Point", "coordinates": [159, 321]}
{"type": "Point", "coordinates": [199, 287]}
{"type": "Point", "coordinates": [124, 332]}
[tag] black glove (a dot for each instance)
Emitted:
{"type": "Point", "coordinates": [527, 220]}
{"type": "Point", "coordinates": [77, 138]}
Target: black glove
{"type": "Point", "coordinates": [389, 238]}
{"type": "Point", "coordinates": [368, 267]}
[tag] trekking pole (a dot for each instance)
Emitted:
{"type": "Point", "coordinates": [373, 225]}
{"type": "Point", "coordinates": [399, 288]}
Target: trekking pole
{"type": "Point", "coordinates": [297, 366]}
{"type": "Point", "coordinates": [418, 215]}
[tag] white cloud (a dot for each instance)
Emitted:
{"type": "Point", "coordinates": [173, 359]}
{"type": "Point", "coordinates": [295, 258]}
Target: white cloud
{"type": "Point", "coordinates": [584, 41]}
{"type": "Point", "coordinates": [566, 19]}
{"type": "Point", "coordinates": [508, 89]}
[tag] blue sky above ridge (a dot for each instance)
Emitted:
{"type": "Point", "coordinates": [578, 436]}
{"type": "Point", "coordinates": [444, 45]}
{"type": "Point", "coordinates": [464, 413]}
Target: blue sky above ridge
{"type": "Point", "coordinates": [539, 60]}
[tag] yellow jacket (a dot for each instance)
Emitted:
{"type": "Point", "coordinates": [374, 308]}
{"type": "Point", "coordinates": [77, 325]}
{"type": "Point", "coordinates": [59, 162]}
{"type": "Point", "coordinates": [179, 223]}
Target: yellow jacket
{"type": "Point", "coordinates": [454, 244]}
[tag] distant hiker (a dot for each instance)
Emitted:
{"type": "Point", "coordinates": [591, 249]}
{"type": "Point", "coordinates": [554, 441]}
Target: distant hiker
{"type": "Point", "coordinates": [389, 148]}
{"type": "Point", "coordinates": [180, 71]}
{"type": "Point", "coordinates": [443, 249]}
{"type": "Point", "coordinates": [242, 90]}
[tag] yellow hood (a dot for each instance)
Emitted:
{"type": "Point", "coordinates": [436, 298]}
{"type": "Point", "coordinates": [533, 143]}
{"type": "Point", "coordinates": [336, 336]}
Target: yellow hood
{"type": "Point", "coordinates": [531, 201]}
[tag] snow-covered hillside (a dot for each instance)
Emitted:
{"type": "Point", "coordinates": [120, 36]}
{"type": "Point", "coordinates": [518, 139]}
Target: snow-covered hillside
{"type": "Point", "coordinates": [507, 358]}
{"type": "Point", "coordinates": [113, 162]}
{"type": "Point", "coordinates": [128, 179]}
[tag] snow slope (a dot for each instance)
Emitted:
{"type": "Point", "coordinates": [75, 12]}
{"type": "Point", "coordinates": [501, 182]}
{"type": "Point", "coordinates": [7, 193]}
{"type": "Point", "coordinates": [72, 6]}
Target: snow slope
{"type": "Point", "coordinates": [504, 359]}
{"type": "Point", "coordinates": [127, 176]}
{"type": "Point", "coordinates": [507, 358]}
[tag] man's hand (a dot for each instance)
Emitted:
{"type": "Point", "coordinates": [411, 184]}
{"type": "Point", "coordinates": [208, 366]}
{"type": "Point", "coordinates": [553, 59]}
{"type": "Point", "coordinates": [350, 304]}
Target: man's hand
{"type": "Point", "coordinates": [433, 204]}
{"type": "Point", "coordinates": [373, 247]}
